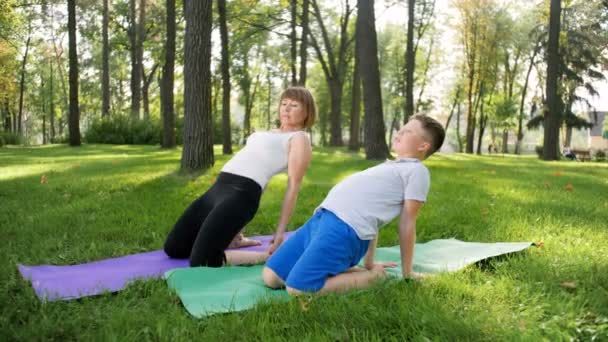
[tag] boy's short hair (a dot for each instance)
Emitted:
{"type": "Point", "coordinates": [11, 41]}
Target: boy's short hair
{"type": "Point", "coordinates": [302, 95]}
{"type": "Point", "coordinates": [434, 131]}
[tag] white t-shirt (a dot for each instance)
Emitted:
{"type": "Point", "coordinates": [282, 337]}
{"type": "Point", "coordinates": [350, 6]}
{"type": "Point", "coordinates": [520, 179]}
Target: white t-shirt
{"type": "Point", "coordinates": [369, 199]}
{"type": "Point", "coordinates": [265, 154]}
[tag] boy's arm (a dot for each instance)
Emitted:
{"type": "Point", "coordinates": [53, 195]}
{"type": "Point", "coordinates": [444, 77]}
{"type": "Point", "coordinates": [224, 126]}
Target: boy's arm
{"type": "Point", "coordinates": [407, 236]}
{"type": "Point", "coordinates": [368, 260]}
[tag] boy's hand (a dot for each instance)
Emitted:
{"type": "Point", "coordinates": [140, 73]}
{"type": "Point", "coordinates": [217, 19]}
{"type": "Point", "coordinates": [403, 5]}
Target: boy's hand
{"type": "Point", "coordinates": [276, 241]}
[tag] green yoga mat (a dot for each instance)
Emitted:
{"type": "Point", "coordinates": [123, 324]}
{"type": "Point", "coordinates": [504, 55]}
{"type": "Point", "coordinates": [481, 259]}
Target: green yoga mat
{"type": "Point", "coordinates": [206, 291]}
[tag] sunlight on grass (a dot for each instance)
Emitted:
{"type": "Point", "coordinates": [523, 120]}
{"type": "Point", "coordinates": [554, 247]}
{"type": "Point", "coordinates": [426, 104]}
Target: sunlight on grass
{"type": "Point", "coordinates": [101, 201]}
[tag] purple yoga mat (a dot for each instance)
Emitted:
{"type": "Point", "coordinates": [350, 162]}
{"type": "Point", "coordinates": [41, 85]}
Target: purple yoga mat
{"type": "Point", "coordinates": [111, 275]}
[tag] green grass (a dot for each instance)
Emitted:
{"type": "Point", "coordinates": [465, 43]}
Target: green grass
{"type": "Point", "coordinates": [107, 201]}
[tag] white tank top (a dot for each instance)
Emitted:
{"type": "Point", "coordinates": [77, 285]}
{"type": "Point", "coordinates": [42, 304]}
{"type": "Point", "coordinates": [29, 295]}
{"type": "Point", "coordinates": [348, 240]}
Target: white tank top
{"type": "Point", "coordinates": [265, 154]}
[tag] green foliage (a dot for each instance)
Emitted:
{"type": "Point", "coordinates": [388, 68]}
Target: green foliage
{"type": "Point", "coordinates": [600, 155]}
{"type": "Point", "coordinates": [8, 138]}
{"type": "Point", "coordinates": [122, 129]}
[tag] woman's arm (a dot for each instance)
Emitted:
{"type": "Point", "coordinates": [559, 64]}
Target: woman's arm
{"type": "Point", "coordinates": [300, 153]}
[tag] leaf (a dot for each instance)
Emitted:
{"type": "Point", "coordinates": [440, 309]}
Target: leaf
{"type": "Point", "coordinates": [539, 243]}
{"type": "Point", "coordinates": [44, 179]}
{"type": "Point", "coordinates": [568, 285]}
{"type": "Point", "coordinates": [569, 187]}
{"type": "Point", "coordinates": [558, 173]}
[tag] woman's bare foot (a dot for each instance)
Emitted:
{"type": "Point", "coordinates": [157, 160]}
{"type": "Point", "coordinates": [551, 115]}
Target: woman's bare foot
{"type": "Point", "coordinates": [240, 241]}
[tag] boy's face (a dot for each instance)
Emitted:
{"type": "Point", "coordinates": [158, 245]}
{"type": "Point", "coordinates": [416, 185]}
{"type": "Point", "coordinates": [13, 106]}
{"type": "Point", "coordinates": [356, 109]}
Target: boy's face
{"type": "Point", "coordinates": [411, 140]}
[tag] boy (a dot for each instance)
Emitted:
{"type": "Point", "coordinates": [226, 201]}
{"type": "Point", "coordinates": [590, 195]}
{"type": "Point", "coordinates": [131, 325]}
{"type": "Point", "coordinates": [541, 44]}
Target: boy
{"type": "Point", "coordinates": [322, 254]}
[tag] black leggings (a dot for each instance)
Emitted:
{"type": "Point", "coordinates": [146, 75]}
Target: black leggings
{"type": "Point", "coordinates": [210, 223]}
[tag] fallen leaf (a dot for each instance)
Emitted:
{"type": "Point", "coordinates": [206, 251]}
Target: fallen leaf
{"type": "Point", "coordinates": [558, 173]}
{"type": "Point", "coordinates": [569, 187]}
{"type": "Point", "coordinates": [304, 302]}
{"type": "Point", "coordinates": [539, 243]}
{"type": "Point", "coordinates": [568, 285]}
{"type": "Point", "coordinates": [44, 180]}
{"type": "Point", "coordinates": [76, 166]}
{"type": "Point", "coordinates": [547, 184]}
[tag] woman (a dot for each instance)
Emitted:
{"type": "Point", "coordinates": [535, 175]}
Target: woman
{"type": "Point", "coordinates": [211, 223]}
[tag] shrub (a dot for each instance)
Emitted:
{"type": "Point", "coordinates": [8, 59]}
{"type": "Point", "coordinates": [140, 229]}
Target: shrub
{"type": "Point", "coordinates": [539, 151]}
{"type": "Point", "coordinates": [9, 138]}
{"type": "Point", "coordinates": [122, 129]}
{"type": "Point", "coordinates": [600, 155]}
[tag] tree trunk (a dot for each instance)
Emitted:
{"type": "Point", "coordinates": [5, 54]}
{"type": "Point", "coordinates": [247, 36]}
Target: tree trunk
{"type": "Point", "coordinates": [424, 76]}
{"type": "Point", "coordinates": [226, 134]}
{"type": "Point", "coordinates": [135, 62]}
{"type": "Point", "coordinates": [482, 127]}
{"type": "Point", "coordinates": [335, 117]}
{"type": "Point", "coordinates": [8, 127]}
{"type": "Point", "coordinates": [145, 90]}
{"type": "Point", "coordinates": [505, 141]}
{"type": "Point", "coordinates": [458, 135]}
{"type": "Point", "coordinates": [74, 116]}
{"type": "Point", "coordinates": [304, 43]}
{"type": "Point", "coordinates": [22, 86]}
{"type": "Point", "coordinates": [105, 77]}
{"type": "Point", "coordinates": [410, 62]}
{"type": "Point", "coordinates": [552, 113]}
{"type": "Point", "coordinates": [568, 141]}
{"type": "Point", "coordinates": [198, 141]}
{"type": "Point", "coordinates": [43, 100]}
{"type": "Point", "coordinates": [52, 102]}
{"type": "Point", "coordinates": [375, 139]}
{"type": "Point", "coordinates": [293, 6]}
{"type": "Point", "coordinates": [355, 110]}
{"type": "Point", "coordinates": [166, 88]}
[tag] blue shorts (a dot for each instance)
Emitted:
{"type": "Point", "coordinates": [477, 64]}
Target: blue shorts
{"type": "Point", "coordinates": [323, 247]}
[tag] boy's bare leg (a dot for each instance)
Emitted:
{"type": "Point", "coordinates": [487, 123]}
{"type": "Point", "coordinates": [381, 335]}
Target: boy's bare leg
{"type": "Point", "coordinates": [271, 279]}
{"type": "Point", "coordinates": [353, 278]}
{"type": "Point", "coordinates": [236, 258]}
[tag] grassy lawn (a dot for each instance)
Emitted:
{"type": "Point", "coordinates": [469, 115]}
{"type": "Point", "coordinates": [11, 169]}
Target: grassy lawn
{"type": "Point", "coordinates": [106, 201]}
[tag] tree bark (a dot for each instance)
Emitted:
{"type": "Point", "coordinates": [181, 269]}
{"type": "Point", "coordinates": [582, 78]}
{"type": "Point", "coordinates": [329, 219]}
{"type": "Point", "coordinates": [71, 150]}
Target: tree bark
{"type": "Point", "coordinates": [74, 116]}
{"type": "Point", "coordinates": [135, 62]}
{"type": "Point", "coordinates": [198, 141]}
{"type": "Point", "coordinates": [168, 76]}
{"type": "Point", "coordinates": [105, 77]}
{"type": "Point", "coordinates": [355, 110]}
{"type": "Point", "coordinates": [410, 62]}
{"type": "Point", "coordinates": [520, 132]}
{"type": "Point", "coordinates": [22, 85]}
{"type": "Point", "coordinates": [304, 43]}
{"type": "Point", "coordinates": [52, 102]}
{"type": "Point", "coordinates": [552, 112]}
{"type": "Point", "coordinates": [225, 65]}
{"type": "Point", "coordinates": [293, 6]}
{"type": "Point", "coordinates": [375, 140]}
{"type": "Point", "coordinates": [145, 90]}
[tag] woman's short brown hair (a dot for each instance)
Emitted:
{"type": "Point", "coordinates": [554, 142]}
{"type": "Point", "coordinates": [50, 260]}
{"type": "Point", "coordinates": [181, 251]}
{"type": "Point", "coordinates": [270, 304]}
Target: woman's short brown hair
{"type": "Point", "coordinates": [303, 96]}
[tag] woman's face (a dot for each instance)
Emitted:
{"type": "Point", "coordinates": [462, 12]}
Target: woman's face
{"type": "Point", "coordinates": [291, 113]}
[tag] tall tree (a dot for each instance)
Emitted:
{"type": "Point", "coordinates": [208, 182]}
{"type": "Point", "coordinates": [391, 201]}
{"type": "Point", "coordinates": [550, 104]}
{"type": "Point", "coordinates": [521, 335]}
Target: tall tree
{"type": "Point", "coordinates": [375, 140]}
{"type": "Point", "coordinates": [355, 109]}
{"type": "Point", "coordinates": [334, 66]}
{"type": "Point", "coordinates": [293, 39]}
{"type": "Point", "coordinates": [74, 115]}
{"type": "Point", "coordinates": [168, 72]}
{"type": "Point", "coordinates": [105, 78]}
{"type": "Point", "coordinates": [226, 134]}
{"type": "Point", "coordinates": [304, 42]}
{"type": "Point", "coordinates": [135, 62]}
{"type": "Point", "coordinates": [198, 141]}
{"type": "Point", "coordinates": [145, 89]}
{"type": "Point", "coordinates": [410, 62]}
{"type": "Point", "coordinates": [553, 108]}
{"type": "Point", "coordinates": [22, 84]}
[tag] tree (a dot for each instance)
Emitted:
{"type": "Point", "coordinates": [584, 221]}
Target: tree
{"type": "Point", "coordinates": [334, 65]}
{"type": "Point", "coordinates": [166, 88]}
{"type": "Point", "coordinates": [105, 78]}
{"type": "Point", "coordinates": [74, 115]}
{"type": "Point", "coordinates": [226, 134]}
{"type": "Point", "coordinates": [198, 141]}
{"type": "Point", "coordinates": [136, 32]}
{"type": "Point", "coordinates": [410, 62]}
{"type": "Point", "coordinates": [553, 108]}
{"type": "Point", "coordinates": [355, 109]}
{"type": "Point", "coordinates": [304, 42]}
{"type": "Point", "coordinates": [375, 143]}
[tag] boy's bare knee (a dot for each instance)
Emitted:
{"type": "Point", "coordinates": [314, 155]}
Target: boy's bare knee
{"type": "Point", "coordinates": [271, 279]}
